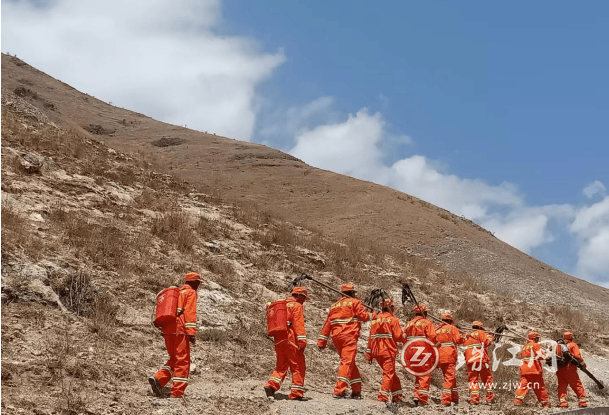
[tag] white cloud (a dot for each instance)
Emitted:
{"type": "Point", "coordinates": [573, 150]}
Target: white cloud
{"type": "Point", "coordinates": [354, 147]}
{"type": "Point", "coordinates": [160, 58]}
{"type": "Point", "coordinates": [591, 226]}
{"type": "Point", "coordinates": [594, 188]}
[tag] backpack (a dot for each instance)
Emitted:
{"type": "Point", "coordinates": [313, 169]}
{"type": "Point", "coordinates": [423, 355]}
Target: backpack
{"type": "Point", "coordinates": [276, 317]}
{"type": "Point", "coordinates": [563, 357]}
{"type": "Point", "coordinates": [166, 306]}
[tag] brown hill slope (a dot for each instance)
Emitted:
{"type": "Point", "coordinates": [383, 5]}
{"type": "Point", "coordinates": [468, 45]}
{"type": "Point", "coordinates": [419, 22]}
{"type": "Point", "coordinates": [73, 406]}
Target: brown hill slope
{"type": "Point", "coordinates": [284, 186]}
{"type": "Point", "coordinates": [91, 234]}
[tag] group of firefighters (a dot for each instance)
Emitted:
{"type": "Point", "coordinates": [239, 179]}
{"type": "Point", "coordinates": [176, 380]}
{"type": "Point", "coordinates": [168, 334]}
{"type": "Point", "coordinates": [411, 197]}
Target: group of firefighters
{"type": "Point", "coordinates": [343, 325]}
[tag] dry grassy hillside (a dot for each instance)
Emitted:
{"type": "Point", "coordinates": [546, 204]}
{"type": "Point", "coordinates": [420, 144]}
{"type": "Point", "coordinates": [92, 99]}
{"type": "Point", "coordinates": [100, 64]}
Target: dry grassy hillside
{"type": "Point", "coordinates": [332, 204]}
{"type": "Point", "coordinates": [91, 233]}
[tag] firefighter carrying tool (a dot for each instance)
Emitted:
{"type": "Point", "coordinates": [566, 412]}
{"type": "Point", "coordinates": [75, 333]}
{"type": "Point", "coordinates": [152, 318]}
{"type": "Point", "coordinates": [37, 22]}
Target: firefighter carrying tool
{"type": "Point", "coordinates": [343, 324]}
{"type": "Point", "coordinates": [570, 356]}
{"type": "Point", "coordinates": [531, 372]}
{"type": "Point", "coordinates": [420, 328]}
{"type": "Point", "coordinates": [448, 337]}
{"type": "Point", "coordinates": [178, 334]}
{"type": "Point", "coordinates": [385, 332]}
{"type": "Point", "coordinates": [477, 359]}
{"type": "Point", "coordinates": [289, 346]}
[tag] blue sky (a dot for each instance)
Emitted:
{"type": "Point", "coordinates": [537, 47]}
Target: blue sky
{"type": "Point", "coordinates": [495, 111]}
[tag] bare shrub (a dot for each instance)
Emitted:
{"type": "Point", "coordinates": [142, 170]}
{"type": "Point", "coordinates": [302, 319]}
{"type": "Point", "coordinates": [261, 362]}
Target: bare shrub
{"type": "Point", "coordinates": [222, 268]}
{"type": "Point", "coordinates": [213, 335]}
{"type": "Point", "coordinates": [76, 291]}
{"type": "Point", "coordinates": [174, 228]}
{"type": "Point", "coordinates": [103, 316]}
{"type": "Point", "coordinates": [470, 310]}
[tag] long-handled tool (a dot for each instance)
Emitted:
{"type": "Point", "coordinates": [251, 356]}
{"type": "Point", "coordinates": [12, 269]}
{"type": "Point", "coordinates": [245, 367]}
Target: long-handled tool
{"type": "Point", "coordinates": [408, 297]}
{"type": "Point", "coordinates": [581, 367]}
{"type": "Point", "coordinates": [300, 278]}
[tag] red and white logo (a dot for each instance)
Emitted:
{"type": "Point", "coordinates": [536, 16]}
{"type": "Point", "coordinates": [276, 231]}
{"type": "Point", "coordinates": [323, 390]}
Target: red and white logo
{"type": "Point", "coordinates": [419, 357]}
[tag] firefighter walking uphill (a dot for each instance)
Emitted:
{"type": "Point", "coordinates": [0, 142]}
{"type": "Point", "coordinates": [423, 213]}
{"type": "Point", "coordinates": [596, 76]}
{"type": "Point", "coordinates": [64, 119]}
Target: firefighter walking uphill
{"type": "Point", "coordinates": [420, 328]}
{"type": "Point", "coordinates": [477, 359]}
{"type": "Point", "coordinates": [570, 356]}
{"type": "Point", "coordinates": [289, 347]}
{"type": "Point", "coordinates": [385, 333]}
{"type": "Point", "coordinates": [343, 324]}
{"type": "Point", "coordinates": [179, 334]}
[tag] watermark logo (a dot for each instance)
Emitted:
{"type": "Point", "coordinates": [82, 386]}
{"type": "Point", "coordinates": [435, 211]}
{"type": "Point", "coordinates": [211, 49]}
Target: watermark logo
{"type": "Point", "coordinates": [419, 357]}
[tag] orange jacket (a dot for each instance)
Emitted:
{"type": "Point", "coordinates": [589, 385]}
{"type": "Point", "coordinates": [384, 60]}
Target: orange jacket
{"type": "Point", "coordinates": [186, 322]}
{"type": "Point", "coordinates": [297, 335]}
{"type": "Point", "coordinates": [476, 344]}
{"type": "Point", "coordinates": [448, 337]}
{"type": "Point", "coordinates": [385, 332]}
{"type": "Point", "coordinates": [420, 327]}
{"type": "Point", "coordinates": [531, 355]}
{"type": "Point", "coordinates": [573, 350]}
{"type": "Point", "coordinates": [344, 320]}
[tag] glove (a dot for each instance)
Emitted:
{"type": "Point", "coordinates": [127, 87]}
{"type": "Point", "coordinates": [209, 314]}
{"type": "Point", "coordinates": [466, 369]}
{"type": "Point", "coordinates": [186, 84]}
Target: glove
{"type": "Point", "coordinates": [192, 339]}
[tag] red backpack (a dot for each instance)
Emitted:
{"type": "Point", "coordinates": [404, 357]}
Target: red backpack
{"type": "Point", "coordinates": [276, 318]}
{"type": "Point", "coordinates": [166, 306]}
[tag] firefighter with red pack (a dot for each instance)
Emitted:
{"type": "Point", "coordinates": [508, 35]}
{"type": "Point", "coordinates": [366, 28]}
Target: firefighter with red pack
{"type": "Point", "coordinates": [289, 348]}
{"type": "Point", "coordinates": [477, 360]}
{"type": "Point", "coordinates": [420, 328]}
{"type": "Point", "coordinates": [385, 332]}
{"type": "Point", "coordinates": [343, 324]}
{"type": "Point", "coordinates": [179, 334]}
{"type": "Point", "coordinates": [531, 372]}
{"type": "Point", "coordinates": [448, 337]}
{"type": "Point", "coordinates": [567, 374]}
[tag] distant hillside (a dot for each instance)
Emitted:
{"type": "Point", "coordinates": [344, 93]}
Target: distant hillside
{"type": "Point", "coordinates": [336, 205]}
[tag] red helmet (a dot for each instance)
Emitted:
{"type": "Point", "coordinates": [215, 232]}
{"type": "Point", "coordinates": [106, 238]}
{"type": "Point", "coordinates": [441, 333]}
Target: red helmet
{"type": "Point", "coordinates": [568, 335]}
{"type": "Point", "coordinates": [533, 335]}
{"type": "Point", "coordinates": [387, 303]}
{"type": "Point", "coordinates": [447, 316]}
{"type": "Point", "coordinates": [420, 309]}
{"type": "Point", "coordinates": [478, 323]}
{"type": "Point", "coordinates": [347, 287]}
{"type": "Point", "coordinates": [193, 276]}
{"type": "Point", "coordinates": [301, 291]}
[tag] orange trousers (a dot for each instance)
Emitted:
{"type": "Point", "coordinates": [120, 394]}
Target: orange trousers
{"type": "Point", "coordinates": [486, 377]}
{"type": "Point", "coordinates": [178, 365]}
{"type": "Point", "coordinates": [536, 383]}
{"type": "Point", "coordinates": [289, 356]}
{"type": "Point", "coordinates": [449, 393]}
{"type": "Point", "coordinates": [391, 388]}
{"type": "Point", "coordinates": [348, 373]}
{"type": "Point", "coordinates": [421, 388]}
{"type": "Point", "coordinates": [568, 376]}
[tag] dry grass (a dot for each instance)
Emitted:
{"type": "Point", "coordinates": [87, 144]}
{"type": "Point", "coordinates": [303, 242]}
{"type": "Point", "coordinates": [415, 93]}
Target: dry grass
{"type": "Point", "coordinates": [174, 228]}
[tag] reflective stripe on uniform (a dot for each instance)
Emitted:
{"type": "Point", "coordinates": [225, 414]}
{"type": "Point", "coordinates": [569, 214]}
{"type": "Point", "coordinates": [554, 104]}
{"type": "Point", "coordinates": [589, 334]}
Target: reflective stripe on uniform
{"type": "Point", "coordinates": [168, 368]}
{"type": "Point", "coordinates": [382, 336]}
{"type": "Point", "coordinates": [301, 337]}
{"type": "Point", "coordinates": [446, 344]}
{"type": "Point", "coordinates": [447, 391]}
{"type": "Point", "coordinates": [368, 351]}
{"type": "Point", "coordinates": [190, 324]}
{"type": "Point", "coordinates": [471, 346]}
{"type": "Point", "coordinates": [423, 392]}
{"type": "Point", "coordinates": [415, 337]}
{"type": "Point", "coordinates": [275, 380]}
{"type": "Point", "coordinates": [183, 380]}
{"type": "Point", "coordinates": [344, 320]}
{"type": "Point", "coordinates": [296, 387]}
{"type": "Point", "coordinates": [343, 379]}
{"type": "Point", "coordinates": [353, 381]}
{"type": "Point", "coordinates": [398, 392]}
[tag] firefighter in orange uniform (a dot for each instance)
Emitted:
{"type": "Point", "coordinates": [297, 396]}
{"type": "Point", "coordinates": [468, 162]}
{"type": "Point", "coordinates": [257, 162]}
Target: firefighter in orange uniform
{"type": "Point", "coordinates": [420, 328]}
{"type": "Point", "coordinates": [385, 332]}
{"type": "Point", "coordinates": [477, 359]}
{"type": "Point", "coordinates": [290, 347]}
{"type": "Point", "coordinates": [343, 324]}
{"type": "Point", "coordinates": [567, 375]}
{"type": "Point", "coordinates": [448, 337]}
{"type": "Point", "coordinates": [531, 372]}
{"type": "Point", "coordinates": [178, 336]}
